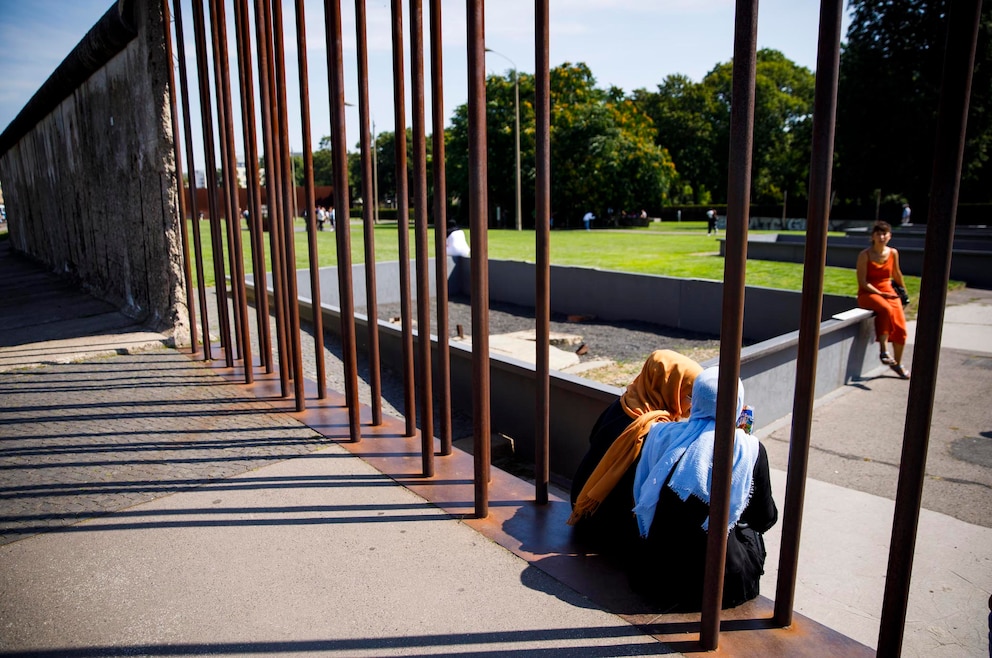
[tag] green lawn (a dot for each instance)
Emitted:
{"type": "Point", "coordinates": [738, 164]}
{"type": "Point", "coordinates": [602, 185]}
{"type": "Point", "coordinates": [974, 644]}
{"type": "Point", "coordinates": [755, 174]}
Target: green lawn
{"type": "Point", "coordinates": [668, 249]}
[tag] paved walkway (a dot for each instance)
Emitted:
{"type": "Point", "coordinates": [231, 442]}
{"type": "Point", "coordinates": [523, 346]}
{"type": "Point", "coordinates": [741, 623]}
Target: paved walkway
{"type": "Point", "coordinates": [147, 507]}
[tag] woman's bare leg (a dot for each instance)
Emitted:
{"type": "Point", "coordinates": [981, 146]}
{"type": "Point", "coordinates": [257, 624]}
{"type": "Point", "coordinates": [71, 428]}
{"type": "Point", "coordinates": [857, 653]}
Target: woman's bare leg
{"type": "Point", "coordinates": [883, 344]}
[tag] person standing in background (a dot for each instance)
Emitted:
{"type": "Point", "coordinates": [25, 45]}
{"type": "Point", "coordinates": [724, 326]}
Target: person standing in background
{"type": "Point", "coordinates": [710, 221]}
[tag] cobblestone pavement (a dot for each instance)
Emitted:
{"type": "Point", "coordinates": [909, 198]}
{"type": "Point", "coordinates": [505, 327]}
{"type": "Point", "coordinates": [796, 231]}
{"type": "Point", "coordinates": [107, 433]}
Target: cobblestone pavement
{"type": "Point", "coordinates": [84, 439]}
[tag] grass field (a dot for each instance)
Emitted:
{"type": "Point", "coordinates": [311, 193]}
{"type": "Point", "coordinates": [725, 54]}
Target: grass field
{"type": "Point", "coordinates": [667, 249]}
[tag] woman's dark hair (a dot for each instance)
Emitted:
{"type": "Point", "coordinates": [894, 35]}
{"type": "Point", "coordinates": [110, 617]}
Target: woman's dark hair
{"type": "Point", "coordinates": [881, 227]}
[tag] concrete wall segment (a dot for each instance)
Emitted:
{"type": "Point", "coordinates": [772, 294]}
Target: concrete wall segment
{"type": "Point", "coordinates": [90, 185]}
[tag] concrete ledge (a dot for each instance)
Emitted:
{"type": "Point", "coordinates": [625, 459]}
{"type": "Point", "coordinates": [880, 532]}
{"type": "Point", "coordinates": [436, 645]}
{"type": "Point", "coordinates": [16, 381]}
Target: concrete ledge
{"type": "Point", "coordinates": [971, 261]}
{"type": "Point", "coordinates": [768, 370]}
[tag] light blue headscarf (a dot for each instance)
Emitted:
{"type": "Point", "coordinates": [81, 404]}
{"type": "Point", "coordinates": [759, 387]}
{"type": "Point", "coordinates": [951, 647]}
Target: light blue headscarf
{"type": "Point", "coordinates": [690, 444]}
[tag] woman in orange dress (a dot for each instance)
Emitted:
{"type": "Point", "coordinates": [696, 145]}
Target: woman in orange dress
{"type": "Point", "coordinates": [878, 266]}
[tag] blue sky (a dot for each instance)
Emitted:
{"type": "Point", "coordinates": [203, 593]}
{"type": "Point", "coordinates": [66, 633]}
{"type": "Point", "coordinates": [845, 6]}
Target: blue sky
{"type": "Point", "coordinates": [627, 43]}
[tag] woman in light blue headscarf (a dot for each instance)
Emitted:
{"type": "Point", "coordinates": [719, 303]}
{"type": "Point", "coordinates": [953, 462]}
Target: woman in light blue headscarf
{"type": "Point", "coordinates": [672, 494]}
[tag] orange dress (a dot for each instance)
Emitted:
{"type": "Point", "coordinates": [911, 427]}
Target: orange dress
{"type": "Point", "coordinates": [889, 318]}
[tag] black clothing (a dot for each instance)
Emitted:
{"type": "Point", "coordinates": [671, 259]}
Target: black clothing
{"type": "Point", "coordinates": [669, 565]}
{"type": "Point", "coordinates": [612, 525]}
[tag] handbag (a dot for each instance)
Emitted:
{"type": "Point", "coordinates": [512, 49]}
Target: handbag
{"type": "Point", "coordinates": [903, 295]}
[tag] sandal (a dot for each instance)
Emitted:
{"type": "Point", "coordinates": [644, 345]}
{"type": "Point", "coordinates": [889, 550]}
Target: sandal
{"type": "Point", "coordinates": [900, 370]}
{"type": "Point", "coordinates": [886, 359]}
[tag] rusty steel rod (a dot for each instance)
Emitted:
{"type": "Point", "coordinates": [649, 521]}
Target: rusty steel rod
{"type": "Point", "coordinates": [194, 340]}
{"type": "Point", "coordinates": [732, 323]}
{"type": "Point", "coordinates": [403, 219]}
{"type": "Point", "coordinates": [288, 204]}
{"type": "Point", "coordinates": [478, 204]}
{"type": "Point", "coordinates": [339, 154]}
{"type": "Point", "coordinates": [818, 214]}
{"type": "Point", "coordinates": [266, 77]}
{"type": "Point", "coordinates": [420, 219]}
{"type": "Point", "coordinates": [311, 201]}
{"type": "Point", "coordinates": [225, 169]}
{"type": "Point", "coordinates": [254, 195]}
{"type": "Point", "coordinates": [542, 235]}
{"type": "Point", "coordinates": [443, 366]}
{"type": "Point", "coordinates": [229, 160]}
{"type": "Point", "coordinates": [206, 117]}
{"type": "Point", "coordinates": [194, 202]}
{"type": "Point", "coordinates": [952, 121]}
{"type": "Point", "coordinates": [368, 213]}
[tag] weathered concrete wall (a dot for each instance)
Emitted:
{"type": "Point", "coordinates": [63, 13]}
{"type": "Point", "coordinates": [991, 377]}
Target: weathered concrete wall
{"type": "Point", "coordinates": [90, 188]}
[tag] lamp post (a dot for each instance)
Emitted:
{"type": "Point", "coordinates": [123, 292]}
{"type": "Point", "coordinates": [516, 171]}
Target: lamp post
{"type": "Point", "coordinates": [516, 128]}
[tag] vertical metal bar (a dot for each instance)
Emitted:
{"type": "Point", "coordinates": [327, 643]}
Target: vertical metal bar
{"type": "Point", "coordinates": [443, 373]}
{"type": "Point", "coordinates": [230, 161]}
{"type": "Point", "coordinates": [194, 340]}
{"type": "Point", "coordinates": [339, 153]}
{"type": "Point", "coordinates": [420, 234]}
{"type": "Point", "coordinates": [254, 196]}
{"type": "Point", "coordinates": [818, 214]}
{"type": "Point", "coordinates": [952, 121]}
{"type": "Point", "coordinates": [288, 203]}
{"type": "Point", "coordinates": [478, 204]}
{"type": "Point", "coordinates": [403, 218]}
{"type": "Point", "coordinates": [368, 213]}
{"type": "Point", "coordinates": [542, 234]}
{"type": "Point", "coordinates": [731, 330]}
{"type": "Point", "coordinates": [206, 115]}
{"type": "Point", "coordinates": [225, 182]}
{"type": "Point", "coordinates": [194, 202]}
{"type": "Point", "coordinates": [311, 201]}
{"type": "Point", "coordinates": [263, 30]}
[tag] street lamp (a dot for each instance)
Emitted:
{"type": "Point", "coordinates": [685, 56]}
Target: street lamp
{"type": "Point", "coordinates": [516, 126]}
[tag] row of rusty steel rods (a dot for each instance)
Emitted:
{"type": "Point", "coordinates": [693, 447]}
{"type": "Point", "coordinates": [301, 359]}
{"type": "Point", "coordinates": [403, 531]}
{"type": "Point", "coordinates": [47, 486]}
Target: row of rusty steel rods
{"type": "Point", "coordinates": [181, 197]}
{"type": "Point", "coordinates": [263, 32]}
{"type": "Point", "coordinates": [342, 230]}
{"type": "Point", "coordinates": [368, 210]}
{"type": "Point", "coordinates": [217, 244]}
{"type": "Point", "coordinates": [229, 160]}
{"type": "Point", "coordinates": [478, 203]}
{"type": "Point", "coordinates": [952, 120]}
{"type": "Point", "coordinates": [420, 233]}
{"type": "Point", "coordinates": [310, 214]}
{"type": "Point", "coordinates": [403, 217]}
{"type": "Point", "coordinates": [194, 202]}
{"type": "Point", "coordinates": [818, 214]}
{"type": "Point", "coordinates": [731, 330]}
{"type": "Point", "coordinates": [254, 194]}
{"type": "Point", "coordinates": [443, 379]}
{"type": "Point", "coordinates": [287, 184]}
{"type": "Point", "coordinates": [542, 230]}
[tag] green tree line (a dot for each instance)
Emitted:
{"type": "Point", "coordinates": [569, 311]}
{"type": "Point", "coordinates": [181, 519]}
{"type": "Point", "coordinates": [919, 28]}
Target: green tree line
{"type": "Point", "coordinates": [612, 151]}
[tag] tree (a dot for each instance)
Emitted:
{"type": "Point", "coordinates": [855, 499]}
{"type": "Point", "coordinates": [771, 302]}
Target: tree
{"type": "Point", "coordinates": [323, 163]}
{"type": "Point", "coordinates": [890, 80]}
{"type": "Point", "coordinates": [602, 148]}
{"type": "Point", "coordinates": [693, 123]}
{"type": "Point", "coordinates": [684, 114]}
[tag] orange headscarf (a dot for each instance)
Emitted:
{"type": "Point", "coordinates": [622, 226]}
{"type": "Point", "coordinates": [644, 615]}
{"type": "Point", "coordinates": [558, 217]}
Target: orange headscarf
{"type": "Point", "coordinates": [661, 392]}
{"type": "Point", "coordinates": [664, 384]}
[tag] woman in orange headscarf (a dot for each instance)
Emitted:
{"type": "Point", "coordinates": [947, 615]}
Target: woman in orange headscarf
{"type": "Point", "coordinates": [602, 488]}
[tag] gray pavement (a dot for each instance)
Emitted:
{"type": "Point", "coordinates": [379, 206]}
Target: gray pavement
{"type": "Point", "coordinates": [148, 508]}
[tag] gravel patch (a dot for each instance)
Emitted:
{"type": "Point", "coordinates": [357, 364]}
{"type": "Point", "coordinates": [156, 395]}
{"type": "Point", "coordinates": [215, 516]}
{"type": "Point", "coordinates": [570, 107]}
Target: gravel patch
{"type": "Point", "coordinates": [623, 343]}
